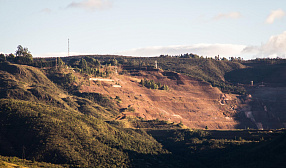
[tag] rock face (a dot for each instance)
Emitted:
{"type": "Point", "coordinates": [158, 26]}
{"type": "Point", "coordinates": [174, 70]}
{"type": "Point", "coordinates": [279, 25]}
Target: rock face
{"type": "Point", "coordinates": [194, 103]}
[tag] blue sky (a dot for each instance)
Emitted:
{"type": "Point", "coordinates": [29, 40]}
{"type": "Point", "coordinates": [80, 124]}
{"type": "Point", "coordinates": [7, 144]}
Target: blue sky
{"type": "Point", "coordinates": [244, 28]}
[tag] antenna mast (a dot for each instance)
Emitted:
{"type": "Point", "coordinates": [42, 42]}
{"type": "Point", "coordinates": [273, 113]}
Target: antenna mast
{"type": "Point", "coordinates": [68, 47]}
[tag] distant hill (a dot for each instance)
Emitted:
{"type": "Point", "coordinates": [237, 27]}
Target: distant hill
{"type": "Point", "coordinates": [269, 74]}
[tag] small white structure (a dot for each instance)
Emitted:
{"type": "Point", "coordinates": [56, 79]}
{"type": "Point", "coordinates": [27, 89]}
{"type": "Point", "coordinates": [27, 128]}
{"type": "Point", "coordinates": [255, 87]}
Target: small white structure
{"type": "Point", "coordinates": [99, 79]}
{"type": "Point", "coordinates": [116, 86]}
{"type": "Point", "coordinates": [156, 64]}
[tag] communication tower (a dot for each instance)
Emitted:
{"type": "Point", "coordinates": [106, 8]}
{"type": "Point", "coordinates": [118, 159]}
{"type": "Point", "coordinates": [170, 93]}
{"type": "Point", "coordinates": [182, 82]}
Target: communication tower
{"type": "Point", "coordinates": [68, 47]}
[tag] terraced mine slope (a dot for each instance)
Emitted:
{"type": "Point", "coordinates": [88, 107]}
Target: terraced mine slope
{"type": "Point", "coordinates": [194, 103]}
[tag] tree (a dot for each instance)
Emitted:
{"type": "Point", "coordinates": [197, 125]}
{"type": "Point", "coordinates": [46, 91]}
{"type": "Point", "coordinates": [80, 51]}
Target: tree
{"type": "Point", "coordinates": [24, 52]}
{"type": "Point", "coordinates": [83, 64]}
{"type": "Point", "coordinates": [165, 87]}
{"type": "Point", "coordinates": [60, 62]}
{"type": "Point", "coordinates": [97, 63]}
{"type": "Point", "coordinates": [19, 51]}
{"type": "Point", "coordinates": [114, 62]}
{"type": "Point", "coordinates": [23, 55]}
{"type": "Point", "coordinates": [2, 57]}
{"type": "Point", "coordinates": [142, 82]}
{"type": "Point", "coordinates": [10, 57]}
{"type": "Point", "coordinates": [224, 59]}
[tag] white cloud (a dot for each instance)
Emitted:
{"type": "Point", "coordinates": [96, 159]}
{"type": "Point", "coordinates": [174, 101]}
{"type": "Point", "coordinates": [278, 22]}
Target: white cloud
{"type": "Point", "coordinates": [61, 54]}
{"type": "Point", "coordinates": [232, 15]}
{"type": "Point", "coordinates": [91, 4]}
{"type": "Point", "coordinates": [224, 50]}
{"type": "Point", "coordinates": [274, 47]}
{"type": "Point", "coordinates": [276, 14]}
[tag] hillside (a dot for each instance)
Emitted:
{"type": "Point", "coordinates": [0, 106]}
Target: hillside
{"type": "Point", "coordinates": [51, 125]}
{"type": "Point", "coordinates": [190, 100]}
{"type": "Point", "coordinates": [91, 116]}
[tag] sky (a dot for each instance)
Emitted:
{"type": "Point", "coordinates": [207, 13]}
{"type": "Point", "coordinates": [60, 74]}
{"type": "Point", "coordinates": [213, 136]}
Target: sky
{"type": "Point", "coordinates": [236, 28]}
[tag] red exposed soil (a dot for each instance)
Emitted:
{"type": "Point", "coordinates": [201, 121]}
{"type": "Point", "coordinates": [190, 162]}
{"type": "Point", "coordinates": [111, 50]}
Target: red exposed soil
{"type": "Point", "coordinates": [194, 103]}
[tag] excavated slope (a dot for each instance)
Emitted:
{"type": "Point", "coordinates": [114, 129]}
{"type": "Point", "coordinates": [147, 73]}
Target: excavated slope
{"type": "Point", "coordinates": [194, 103]}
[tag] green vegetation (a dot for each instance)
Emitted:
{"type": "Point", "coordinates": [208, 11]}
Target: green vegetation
{"type": "Point", "coordinates": [89, 65]}
{"type": "Point", "coordinates": [151, 84]}
{"type": "Point", "coordinates": [68, 137]}
{"type": "Point", "coordinates": [118, 99]}
{"type": "Point", "coordinates": [6, 161]}
{"type": "Point", "coordinates": [23, 56]}
{"type": "Point", "coordinates": [197, 148]}
{"type": "Point", "coordinates": [101, 100]}
{"type": "Point", "coordinates": [130, 108]}
{"type": "Point", "coordinates": [65, 80]}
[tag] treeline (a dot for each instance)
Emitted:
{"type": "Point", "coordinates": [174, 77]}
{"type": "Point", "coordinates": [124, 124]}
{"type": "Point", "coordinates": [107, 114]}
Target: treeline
{"type": "Point", "coordinates": [191, 55]}
{"type": "Point", "coordinates": [265, 61]}
{"type": "Point", "coordinates": [151, 84]}
{"type": "Point", "coordinates": [23, 56]}
{"type": "Point", "coordinates": [87, 65]}
{"type": "Point", "coordinates": [187, 55]}
{"type": "Point", "coordinates": [91, 66]}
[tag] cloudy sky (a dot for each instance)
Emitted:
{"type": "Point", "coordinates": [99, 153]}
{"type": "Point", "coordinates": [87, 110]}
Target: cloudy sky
{"type": "Point", "coordinates": [244, 28]}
